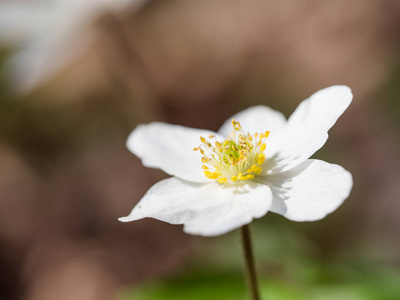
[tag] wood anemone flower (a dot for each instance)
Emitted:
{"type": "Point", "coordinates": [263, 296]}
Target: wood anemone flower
{"type": "Point", "coordinates": [257, 162]}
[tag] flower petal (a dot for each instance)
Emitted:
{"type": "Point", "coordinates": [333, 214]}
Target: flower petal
{"type": "Point", "coordinates": [309, 191]}
{"type": "Point", "coordinates": [169, 148]}
{"type": "Point", "coordinates": [256, 119]}
{"type": "Point", "coordinates": [307, 129]}
{"type": "Point", "coordinates": [204, 209]}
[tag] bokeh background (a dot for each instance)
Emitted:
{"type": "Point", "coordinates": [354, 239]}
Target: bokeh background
{"type": "Point", "coordinates": [78, 76]}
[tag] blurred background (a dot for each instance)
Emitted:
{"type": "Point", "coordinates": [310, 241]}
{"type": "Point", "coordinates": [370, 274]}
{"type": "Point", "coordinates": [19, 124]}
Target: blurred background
{"type": "Point", "coordinates": [78, 76]}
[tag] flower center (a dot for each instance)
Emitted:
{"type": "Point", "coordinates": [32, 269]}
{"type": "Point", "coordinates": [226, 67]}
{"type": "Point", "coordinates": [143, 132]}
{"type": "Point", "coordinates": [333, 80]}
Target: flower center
{"type": "Point", "coordinates": [239, 157]}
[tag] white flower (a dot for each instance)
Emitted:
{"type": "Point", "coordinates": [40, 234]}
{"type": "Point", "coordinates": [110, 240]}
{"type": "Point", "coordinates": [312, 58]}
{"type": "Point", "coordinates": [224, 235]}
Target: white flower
{"type": "Point", "coordinates": [261, 164]}
{"type": "Point", "coordinates": [48, 34]}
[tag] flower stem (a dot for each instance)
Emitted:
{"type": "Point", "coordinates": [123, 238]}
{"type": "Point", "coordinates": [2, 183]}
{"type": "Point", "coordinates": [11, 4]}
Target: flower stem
{"type": "Point", "coordinates": [249, 262]}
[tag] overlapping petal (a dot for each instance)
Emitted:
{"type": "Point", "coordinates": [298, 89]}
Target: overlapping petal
{"type": "Point", "coordinates": [309, 191]}
{"type": "Point", "coordinates": [204, 209]}
{"type": "Point", "coordinates": [307, 129]}
{"type": "Point", "coordinates": [169, 148]}
{"type": "Point", "coordinates": [256, 119]}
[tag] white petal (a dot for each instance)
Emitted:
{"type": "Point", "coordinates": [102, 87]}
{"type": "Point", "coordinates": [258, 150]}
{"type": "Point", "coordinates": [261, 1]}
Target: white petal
{"type": "Point", "coordinates": [205, 209]}
{"type": "Point", "coordinates": [256, 119]}
{"type": "Point", "coordinates": [309, 191]}
{"type": "Point", "coordinates": [307, 129]}
{"type": "Point", "coordinates": [169, 148]}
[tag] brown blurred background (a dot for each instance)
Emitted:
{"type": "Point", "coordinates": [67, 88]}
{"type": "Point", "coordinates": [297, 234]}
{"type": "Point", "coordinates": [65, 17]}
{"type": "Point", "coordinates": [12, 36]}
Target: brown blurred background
{"type": "Point", "coordinates": [66, 176]}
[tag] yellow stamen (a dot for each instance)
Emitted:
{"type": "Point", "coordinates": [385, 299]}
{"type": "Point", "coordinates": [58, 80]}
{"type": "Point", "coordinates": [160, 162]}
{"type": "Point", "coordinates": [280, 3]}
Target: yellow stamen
{"type": "Point", "coordinates": [257, 170]}
{"type": "Point", "coordinates": [239, 157]}
{"type": "Point", "coordinates": [222, 180]}
{"type": "Point", "coordinates": [261, 159]}
{"type": "Point", "coordinates": [211, 175]}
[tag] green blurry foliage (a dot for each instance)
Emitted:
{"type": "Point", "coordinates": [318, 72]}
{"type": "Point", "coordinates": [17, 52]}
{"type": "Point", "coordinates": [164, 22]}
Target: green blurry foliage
{"type": "Point", "coordinates": [372, 284]}
{"type": "Point", "coordinates": [289, 265]}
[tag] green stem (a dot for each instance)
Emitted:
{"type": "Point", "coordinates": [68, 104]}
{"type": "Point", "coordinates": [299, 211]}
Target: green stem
{"type": "Point", "coordinates": [249, 262]}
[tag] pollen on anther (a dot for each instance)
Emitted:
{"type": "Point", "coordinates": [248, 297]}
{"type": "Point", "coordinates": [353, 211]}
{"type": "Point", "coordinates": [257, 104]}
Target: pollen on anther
{"type": "Point", "coordinates": [222, 180]}
{"type": "Point", "coordinates": [240, 157]}
{"type": "Point", "coordinates": [211, 175]}
{"type": "Point", "coordinates": [261, 159]}
{"type": "Point", "coordinates": [257, 170]}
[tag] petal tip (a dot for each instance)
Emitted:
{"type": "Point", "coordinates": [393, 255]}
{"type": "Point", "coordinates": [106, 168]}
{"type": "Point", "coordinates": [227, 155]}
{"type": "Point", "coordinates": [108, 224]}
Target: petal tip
{"type": "Point", "coordinates": [124, 219]}
{"type": "Point", "coordinates": [130, 141]}
{"type": "Point", "coordinates": [342, 90]}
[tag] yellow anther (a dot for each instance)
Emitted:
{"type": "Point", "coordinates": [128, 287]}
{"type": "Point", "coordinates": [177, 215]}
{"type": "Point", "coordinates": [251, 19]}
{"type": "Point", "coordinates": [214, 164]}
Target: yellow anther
{"type": "Point", "coordinates": [239, 157]}
{"type": "Point", "coordinates": [264, 135]}
{"type": "Point", "coordinates": [257, 170]}
{"type": "Point", "coordinates": [211, 175]}
{"type": "Point", "coordinates": [236, 125]}
{"type": "Point", "coordinates": [261, 159]}
{"type": "Point", "coordinates": [222, 180]}
{"type": "Point", "coordinates": [241, 177]}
